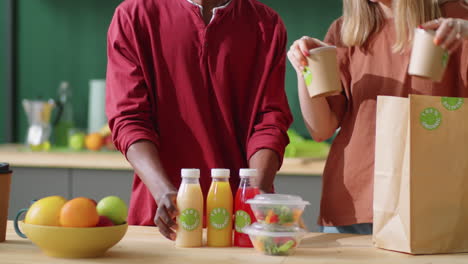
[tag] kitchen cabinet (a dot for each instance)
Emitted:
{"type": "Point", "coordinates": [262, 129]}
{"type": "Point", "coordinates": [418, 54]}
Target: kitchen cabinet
{"type": "Point", "coordinates": [33, 183]}
{"type": "Point", "coordinates": [96, 175]}
{"type": "Point", "coordinates": [98, 184]}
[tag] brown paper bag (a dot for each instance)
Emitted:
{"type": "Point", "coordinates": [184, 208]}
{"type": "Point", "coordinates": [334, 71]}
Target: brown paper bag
{"type": "Point", "coordinates": [421, 174]}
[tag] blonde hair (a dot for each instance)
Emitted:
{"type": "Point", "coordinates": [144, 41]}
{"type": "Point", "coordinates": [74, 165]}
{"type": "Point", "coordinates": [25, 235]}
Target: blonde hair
{"type": "Point", "coordinates": [362, 18]}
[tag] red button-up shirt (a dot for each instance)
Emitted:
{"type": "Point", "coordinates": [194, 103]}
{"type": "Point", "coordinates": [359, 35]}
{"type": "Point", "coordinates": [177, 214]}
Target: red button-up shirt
{"type": "Point", "coordinates": [208, 96]}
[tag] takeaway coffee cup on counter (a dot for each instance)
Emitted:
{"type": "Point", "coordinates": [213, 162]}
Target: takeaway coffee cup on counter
{"type": "Point", "coordinates": [321, 75]}
{"type": "Point", "coordinates": [427, 59]}
{"type": "Point", "coordinates": [5, 183]}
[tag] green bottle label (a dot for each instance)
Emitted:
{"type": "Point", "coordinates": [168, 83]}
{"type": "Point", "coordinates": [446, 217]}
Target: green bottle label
{"type": "Point", "coordinates": [307, 75]}
{"type": "Point", "coordinates": [219, 218]}
{"type": "Point", "coordinates": [242, 220]}
{"type": "Point", "coordinates": [190, 219]}
{"type": "Point", "coordinates": [430, 118]}
{"type": "Point", "coordinates": [452, 103]}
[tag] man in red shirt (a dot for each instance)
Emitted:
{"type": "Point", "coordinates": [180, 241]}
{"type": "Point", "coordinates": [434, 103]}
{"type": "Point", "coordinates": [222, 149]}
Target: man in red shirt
{"type": "Point", "coordinates": [195, 85]}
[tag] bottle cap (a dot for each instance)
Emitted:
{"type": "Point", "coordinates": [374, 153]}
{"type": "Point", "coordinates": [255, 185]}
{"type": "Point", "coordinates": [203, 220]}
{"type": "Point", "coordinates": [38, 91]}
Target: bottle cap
{"type": "Point", "coordinates": [220, 173]}
{"type": "Point", "coordinates": [247, 173]}
{"type": "Point", "coordinates": [190, 173]}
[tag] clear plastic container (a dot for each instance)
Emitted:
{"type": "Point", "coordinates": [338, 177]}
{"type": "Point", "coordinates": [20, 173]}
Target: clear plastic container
{"type": "Point", "coordinates": [278, 209]}
{"type": "Point", "coordinates": [277, 241]}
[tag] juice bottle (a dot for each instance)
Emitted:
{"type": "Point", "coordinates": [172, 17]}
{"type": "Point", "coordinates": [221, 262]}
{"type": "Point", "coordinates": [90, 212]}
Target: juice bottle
{"type": "Point", "coordinates": [190, 205]}
{"type": "Point", "coordinates": [243, 213]}
{"type": "Point", "coordinates": [219, 210]}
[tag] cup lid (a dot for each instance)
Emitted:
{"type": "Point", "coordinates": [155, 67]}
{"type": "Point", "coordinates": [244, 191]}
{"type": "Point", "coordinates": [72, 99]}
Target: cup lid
{"type": "Point", "coordinates": [220, 173]}
{"type": "Point", "coordinates": [257, 229]}
{"type": "Point", "coordinates": [247, 173]}
{"type": "Point", "coordinates": [277, 199]}
{"type": "Point", "coordinates": [4, 168]}
{"type": "Point", "coordinates": [190, 173]}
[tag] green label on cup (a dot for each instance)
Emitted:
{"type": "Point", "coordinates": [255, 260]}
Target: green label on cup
{"type": "Point", "coordinates": [190, 219]}
{"type": "Point", "coordinates": [430, 118]}
{"type": "Point", "coordinates": [242, 220]}
{"type": "Point", "coordinates": [307, 75]}
{"type": "Point", "coordinates": [219, 218]}
{"type": "Point", "coordinates": [445, 58]}
{"type": "Point", "coordinates": [452, 103]}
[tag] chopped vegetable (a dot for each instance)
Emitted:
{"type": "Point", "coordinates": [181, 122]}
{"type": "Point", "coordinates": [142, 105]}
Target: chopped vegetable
{"type": "Point", "coordinates": [274, 246]}
{"type": "Point", "coordinates": [286, 246]}
{"type": "Point", "coordinates": [282, 215]}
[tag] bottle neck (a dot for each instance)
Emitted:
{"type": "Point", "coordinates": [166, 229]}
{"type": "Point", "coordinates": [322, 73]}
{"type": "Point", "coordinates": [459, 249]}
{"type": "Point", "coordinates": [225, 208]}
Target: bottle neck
{"type": "Point", "coordinates": [220, 179]}
{"type": "Point", "coordinates": [190, 180]}
{"type": "Point", "coordinates": [247, 182]}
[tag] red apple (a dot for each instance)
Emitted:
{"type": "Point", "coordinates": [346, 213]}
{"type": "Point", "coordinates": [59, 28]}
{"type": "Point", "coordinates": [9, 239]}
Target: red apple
{"type": "Point", "coordinates": [104, 221]}
{"type": "Point", "coordinates": [109, 143]}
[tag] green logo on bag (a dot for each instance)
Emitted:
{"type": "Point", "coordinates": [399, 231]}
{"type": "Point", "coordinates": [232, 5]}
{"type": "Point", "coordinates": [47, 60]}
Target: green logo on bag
{"type": "Point", "coordinates": [445, 58]}
{"type": "Point", "coordinates": [307, 75]}
{"type": "Point", "coordinates": [430, 118]}
{"type": "Point", "coordinates": [219, 218]}
{"type": "Point", "coordinates": [190, 219]}
{"type": "Point", "coordinates": [452, 103]}
{"type": "Point", "coordinates": [242, 220]}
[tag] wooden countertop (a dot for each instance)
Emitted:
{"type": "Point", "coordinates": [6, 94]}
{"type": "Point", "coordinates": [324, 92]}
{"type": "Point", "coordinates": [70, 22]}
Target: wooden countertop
{"type": "Point", "coordinates": [146, 245]}
{"type": "Point", "coordinates": [18, 156]}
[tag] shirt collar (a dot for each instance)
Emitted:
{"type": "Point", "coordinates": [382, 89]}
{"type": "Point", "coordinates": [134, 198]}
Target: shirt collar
{"type": "Point", "coordinates": [214, 9]}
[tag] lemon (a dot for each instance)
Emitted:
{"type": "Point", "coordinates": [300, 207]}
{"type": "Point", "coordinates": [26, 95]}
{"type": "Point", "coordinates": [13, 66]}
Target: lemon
{"type": "Point", "coordinates": [45, 211]}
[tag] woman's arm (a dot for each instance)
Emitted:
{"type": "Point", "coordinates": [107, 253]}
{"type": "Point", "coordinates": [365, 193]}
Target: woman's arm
{"type": "Point", "coordinates": [320, 120]}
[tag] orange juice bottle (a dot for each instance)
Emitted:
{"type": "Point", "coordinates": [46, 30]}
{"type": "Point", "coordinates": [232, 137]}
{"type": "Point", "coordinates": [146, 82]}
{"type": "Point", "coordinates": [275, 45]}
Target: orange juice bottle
{"type": "Point", "coordinates": [219, 209]}
{"type": "Point", "coordinates": [190, 205]}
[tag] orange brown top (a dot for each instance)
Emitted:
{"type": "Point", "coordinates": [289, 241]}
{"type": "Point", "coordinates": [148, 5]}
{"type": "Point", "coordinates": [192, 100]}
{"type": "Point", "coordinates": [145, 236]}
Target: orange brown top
{"type": "Point", "coordinates": [365, 74]}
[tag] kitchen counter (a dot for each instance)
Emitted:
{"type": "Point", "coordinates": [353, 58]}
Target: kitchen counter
{"type": "Point", "coordinates": [146, 245]}
{"type": "Point", "coordinates": [18, 156]}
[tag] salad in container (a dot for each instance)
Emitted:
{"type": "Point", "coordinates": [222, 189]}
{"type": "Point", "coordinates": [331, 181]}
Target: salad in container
{"type": "Point", "coordinates": [278, 209]}
{"type": "Point", "coordinates": [274, 241]}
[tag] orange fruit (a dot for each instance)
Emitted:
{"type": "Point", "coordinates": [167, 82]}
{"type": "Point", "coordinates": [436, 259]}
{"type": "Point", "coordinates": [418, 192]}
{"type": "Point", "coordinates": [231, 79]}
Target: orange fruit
{"type": "Point", "coordinates": [79, 212]}
{"type": "Point", "coordinates": [94, 141]}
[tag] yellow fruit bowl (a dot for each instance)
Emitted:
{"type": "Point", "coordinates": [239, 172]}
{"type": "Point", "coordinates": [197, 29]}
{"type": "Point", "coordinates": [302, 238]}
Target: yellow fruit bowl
{"type": "Point", "coordinates": [70, 242]}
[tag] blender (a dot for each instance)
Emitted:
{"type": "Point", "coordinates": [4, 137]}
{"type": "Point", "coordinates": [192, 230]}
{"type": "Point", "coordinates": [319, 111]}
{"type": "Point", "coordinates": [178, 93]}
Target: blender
{"type": "Point", "coordinates": [39, 116]}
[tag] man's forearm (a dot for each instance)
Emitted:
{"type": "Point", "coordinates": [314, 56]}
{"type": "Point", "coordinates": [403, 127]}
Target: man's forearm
{"type": "Point", "coordinates": [144, 158]}
{"type": "Point", "coordinates": [267, 163]}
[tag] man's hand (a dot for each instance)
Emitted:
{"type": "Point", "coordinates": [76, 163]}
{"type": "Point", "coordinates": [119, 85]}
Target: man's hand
{"type": "Point", "coordinates": [144, 157]}
{"type": "Point", "coordinates": [267, 163]}
{"type": "Point", "coordinates": [166, 214]}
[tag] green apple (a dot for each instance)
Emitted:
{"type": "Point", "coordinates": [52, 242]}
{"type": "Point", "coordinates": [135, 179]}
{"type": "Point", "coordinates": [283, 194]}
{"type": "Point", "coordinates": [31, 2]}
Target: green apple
{"type": "Point", "coordinates": [77, 141]}
{"type": "Point", "coordinates": [114, 208]}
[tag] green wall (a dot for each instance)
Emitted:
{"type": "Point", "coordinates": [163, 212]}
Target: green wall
{"type": "Point", "coordinates": [303, 17]}
{"type": "Point", "coordinates": [61, 40]}
{"type": "Point", "coordinates": [66, 40]}
{"type": "Point", "coordinates": [2, 69]}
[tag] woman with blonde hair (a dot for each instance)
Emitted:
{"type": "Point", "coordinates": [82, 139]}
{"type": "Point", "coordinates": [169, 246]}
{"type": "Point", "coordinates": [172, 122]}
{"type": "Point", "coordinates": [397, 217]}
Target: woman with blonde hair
{"type": "Point", "coordinates": [374, 39]}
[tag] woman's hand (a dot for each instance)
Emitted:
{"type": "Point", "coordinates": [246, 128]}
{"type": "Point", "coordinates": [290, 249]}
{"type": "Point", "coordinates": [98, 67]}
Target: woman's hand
{"type": "Point", "coordinates": [450, 32]}
{"type": "Point", "coordinates": [299, 51]}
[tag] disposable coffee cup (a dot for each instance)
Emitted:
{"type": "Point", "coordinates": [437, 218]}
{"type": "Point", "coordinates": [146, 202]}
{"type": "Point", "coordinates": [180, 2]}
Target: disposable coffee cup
{"type": "Point", "coordinates": [5, 183]}
{"type": "Point", "coordinates": [427, 59]}
{"type": "Point", "coordinates": [322, 75]}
